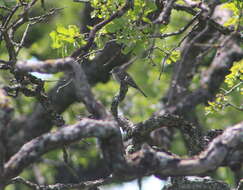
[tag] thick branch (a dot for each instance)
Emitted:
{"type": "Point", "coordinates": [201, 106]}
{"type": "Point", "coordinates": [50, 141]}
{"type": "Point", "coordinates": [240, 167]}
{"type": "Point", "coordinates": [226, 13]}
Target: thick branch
{"type": "Point", "coordinates": [32, 150]}
{"type": "Point", "coordinates": [5, 117]}
{"type": "Point", "coordinates": [141, 130]}
{"type": "Point", "coordinates": [39, 121]}
{"type": "Point", "coordinates": [164, 17]}
{"type": "Point", "coordinates": [59, 186]}
{"type": "Point", "coordinates": [48, 66]}
{"type": "Point", "coordinates": [82, 87]}
{"type": "Point", "coordinates": [196, 183]}
{"type": "Point", "coordinates": [219, 150]}
{"type": "Point", "coordinates": [141, 163]}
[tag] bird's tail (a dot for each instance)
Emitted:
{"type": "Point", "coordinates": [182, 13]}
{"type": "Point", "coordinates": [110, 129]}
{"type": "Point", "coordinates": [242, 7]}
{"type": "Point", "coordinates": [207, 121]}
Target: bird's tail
{"type": "Point", "coordinates": [142, 92]}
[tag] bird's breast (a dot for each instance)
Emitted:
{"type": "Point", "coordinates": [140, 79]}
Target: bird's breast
{"type": "Point", "coordinates": [115, 76]}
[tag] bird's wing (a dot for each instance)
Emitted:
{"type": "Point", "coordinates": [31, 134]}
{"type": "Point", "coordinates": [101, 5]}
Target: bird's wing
{"type": "Point", "coordinates": [130, 81]}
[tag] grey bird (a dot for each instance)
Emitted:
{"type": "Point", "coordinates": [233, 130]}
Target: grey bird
{"type": "Point", "coordinates": [121, 75]}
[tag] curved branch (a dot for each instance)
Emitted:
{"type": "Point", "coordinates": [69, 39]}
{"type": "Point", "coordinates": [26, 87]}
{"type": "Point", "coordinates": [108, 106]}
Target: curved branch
{"type": "Point", "coordinates": [218, 152]}
{"type": "Point", "coordinates": [39, 121]}
{"type": "Point", "coordinates": [5, 116]}
{"type": "Point", "coordinates": [164, 17]}
{"type": "Point", "coordinates": [118, 99]}
{"type": "Point", "coordinates": [59, 186]}
{"type": "Point", "coordinates": [144, 162]}
{"type": "Point", "coordinates": [199, 183]}
{"type": "Point", "coordinates": [32, 150]}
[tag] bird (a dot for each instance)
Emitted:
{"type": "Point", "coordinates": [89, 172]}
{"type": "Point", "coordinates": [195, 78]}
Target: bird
{"type": "Point", "coordinates": [121, 75]}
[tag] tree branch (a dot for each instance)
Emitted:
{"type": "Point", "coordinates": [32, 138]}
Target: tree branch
{"type": "Point", "coordinates": [193, 182]}
{"type": "Point", "coordinates": [60, 186]}
{"type": "Point", "coordinates": [31, 151]}
{"type": "Point", "coordinates": [164, 17]}
{"type": "Point", "coordinates": [144, 162]}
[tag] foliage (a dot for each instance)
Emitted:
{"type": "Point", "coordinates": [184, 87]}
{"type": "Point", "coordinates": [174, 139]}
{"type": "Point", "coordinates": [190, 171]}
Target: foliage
{"type": "Point", "coordinates": [234, 82]}
{"type": "Point", "coordinates": [236, 7]}
{"type": "Point", "coordinates": [236, 75]}
{"type": "Point", "coordinates": [66, 38]}
{"type": "Point", "coordinates": [219, 104]}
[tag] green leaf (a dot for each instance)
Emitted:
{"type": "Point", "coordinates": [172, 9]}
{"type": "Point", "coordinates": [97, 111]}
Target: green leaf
{"type": "Point", "coordinates": [55, 40]}
{"type": "Point", "coordinates": [145, 19]}
{"type": "Point", "coordinates": [64, 36]}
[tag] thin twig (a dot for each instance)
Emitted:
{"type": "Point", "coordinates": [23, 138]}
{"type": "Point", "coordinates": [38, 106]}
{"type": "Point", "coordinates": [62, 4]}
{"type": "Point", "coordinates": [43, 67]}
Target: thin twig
{"type": "Point", "coordinates": [180, 31]}
{"type": "Point", "coordinates": [233, 88]}
{"type": "Point", "coordinates": [23, 39]}
{"type": "Point", "coordinates": [66, 84]}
